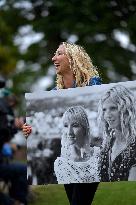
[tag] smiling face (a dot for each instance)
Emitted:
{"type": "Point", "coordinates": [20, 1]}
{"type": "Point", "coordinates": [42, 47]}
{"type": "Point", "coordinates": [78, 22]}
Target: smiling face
{"type": "Point", "coordinates": [111, 114]}
{"type": "Point", "coordinates": [73, 131]}
{"type": "Point", "coordinates": [61, 61]}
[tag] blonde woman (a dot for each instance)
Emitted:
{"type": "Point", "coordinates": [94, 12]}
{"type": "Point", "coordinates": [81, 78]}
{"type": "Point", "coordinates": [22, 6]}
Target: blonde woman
{"type": "Point", "coordinates": [74, 68]}
{"type": "Point", "coordinates": [76, 163]}
{"type": "Point", "coordinates": [117, 121]}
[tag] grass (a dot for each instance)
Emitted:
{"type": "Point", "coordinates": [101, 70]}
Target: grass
{"type": "Point", "coordinates": [118, 193]}
{"type": "Point", "coordinates": [49, 195]}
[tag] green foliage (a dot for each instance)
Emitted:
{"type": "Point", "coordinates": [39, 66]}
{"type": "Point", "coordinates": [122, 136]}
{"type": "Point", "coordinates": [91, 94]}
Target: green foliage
{"type": "Point", "coordinates": [93, 23]}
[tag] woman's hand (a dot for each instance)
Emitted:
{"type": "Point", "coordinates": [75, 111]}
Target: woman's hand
{"type": "Point", "coordinates": [27, 129]}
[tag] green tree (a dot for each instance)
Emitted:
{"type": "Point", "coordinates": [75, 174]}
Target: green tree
{"type": "Point", "coordinates": [107, 30]}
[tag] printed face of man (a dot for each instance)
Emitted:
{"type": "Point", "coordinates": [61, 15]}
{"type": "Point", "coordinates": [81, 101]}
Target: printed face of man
{"type": "Point", "coordinates": [61, 61]}
{"type": "Point", "coordinates": [73, 131]}
{"type": "Point", "coordinates": [111, 114]}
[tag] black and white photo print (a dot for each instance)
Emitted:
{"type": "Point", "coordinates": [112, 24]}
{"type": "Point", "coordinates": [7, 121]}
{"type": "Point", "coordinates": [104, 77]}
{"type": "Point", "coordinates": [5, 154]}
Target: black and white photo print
{"type": "Point", "coordinates": [82, 135]}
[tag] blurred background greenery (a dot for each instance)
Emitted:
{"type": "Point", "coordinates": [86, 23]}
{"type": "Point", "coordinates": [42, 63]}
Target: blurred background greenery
{"type": "Point", "coordinates": [31, 30]}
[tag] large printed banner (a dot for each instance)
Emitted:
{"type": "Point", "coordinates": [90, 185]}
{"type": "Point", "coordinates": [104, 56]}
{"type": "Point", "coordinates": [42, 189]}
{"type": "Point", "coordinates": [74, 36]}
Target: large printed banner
{"type": "Point", "coordinates": [82, 135]}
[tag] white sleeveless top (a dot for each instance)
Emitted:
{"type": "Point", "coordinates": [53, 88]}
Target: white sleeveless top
{"type": "Point", "coordinates": [68, 171]}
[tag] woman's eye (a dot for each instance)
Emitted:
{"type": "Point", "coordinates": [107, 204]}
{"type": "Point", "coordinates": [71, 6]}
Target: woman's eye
{"type": "Point", "coordinates": [65, 125]}
{"type": "Point", "coordinates": [113, 108]}
{"type": "Point", "coordinates": [57, 54]}
{"type": "Point", "coordinates": [75, 125]}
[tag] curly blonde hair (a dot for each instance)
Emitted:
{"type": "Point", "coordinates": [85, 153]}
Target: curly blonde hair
{"type": "Point", "coordinates": [125, 101]}
{"type": "Point", "coordinates": [80, 64]}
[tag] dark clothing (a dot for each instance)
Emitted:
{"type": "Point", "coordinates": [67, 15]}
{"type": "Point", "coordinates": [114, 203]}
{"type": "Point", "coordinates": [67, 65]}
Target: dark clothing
{"type": "Point", "coordinates": [7, 126]}
{"type": "Point", "coordinates": [5, 199]}
{"type": "Point", "coordinates": [119, 169]}
{"type": "Point", "coordinates": [17, 175]}
{"type": "Point", "coordinates": [80, 194]}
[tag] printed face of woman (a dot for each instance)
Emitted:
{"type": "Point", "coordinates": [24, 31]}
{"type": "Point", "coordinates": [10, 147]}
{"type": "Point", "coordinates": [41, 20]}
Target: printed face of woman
{"type": "Point", "coordinates": [61, 61]}
{"type": "Point", "coordinates": [73, 132]}
{"type": "Point", "coordinates": [111, 114]}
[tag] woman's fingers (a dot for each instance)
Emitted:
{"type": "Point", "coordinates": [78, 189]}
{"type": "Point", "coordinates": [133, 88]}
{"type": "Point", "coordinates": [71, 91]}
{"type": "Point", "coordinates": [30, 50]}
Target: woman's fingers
{"type": "Point", "coordinates": [27, 129]}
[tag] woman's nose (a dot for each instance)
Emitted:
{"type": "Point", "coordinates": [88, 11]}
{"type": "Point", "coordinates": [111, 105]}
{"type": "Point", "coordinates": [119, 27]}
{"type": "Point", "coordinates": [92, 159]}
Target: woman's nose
{"type": "Point", "coordinates": [70, 130]}
{"type": "Point", "coordinates": [54, 58]}
{"type": "Point", "coordinates": [107, 113]}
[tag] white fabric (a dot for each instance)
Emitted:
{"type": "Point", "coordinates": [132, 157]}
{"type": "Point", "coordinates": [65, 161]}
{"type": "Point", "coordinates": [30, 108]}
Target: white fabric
{"type": "Point", "coordinates": [68, 171]}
